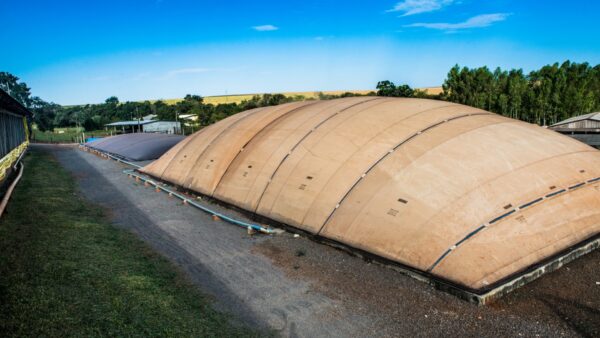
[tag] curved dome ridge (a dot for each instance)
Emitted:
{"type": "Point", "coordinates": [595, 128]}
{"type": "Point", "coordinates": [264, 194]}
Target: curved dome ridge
{"type": "Point", "coordinates": [453, 191]}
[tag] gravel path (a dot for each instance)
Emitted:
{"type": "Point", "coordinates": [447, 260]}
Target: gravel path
{"type": "Point", "coordinates": [300, 288]}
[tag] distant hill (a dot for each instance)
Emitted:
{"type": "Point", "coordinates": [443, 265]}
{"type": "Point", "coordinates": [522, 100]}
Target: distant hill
{"type": "Point", "coordinates": [237, 98]}
{"type": "Point", "coordinates": [432, 90]}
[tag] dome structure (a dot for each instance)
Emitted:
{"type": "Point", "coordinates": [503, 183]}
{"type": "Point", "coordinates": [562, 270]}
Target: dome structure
{"type": "Point", "coordinates": [455, 192]}
{"type": "Point", "coordinates": [136, 146]}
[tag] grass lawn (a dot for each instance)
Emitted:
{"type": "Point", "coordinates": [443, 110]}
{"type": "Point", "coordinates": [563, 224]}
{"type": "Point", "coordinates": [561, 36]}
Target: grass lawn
{"type": "Point", "coordinates": [66, 271]}
{"type": "Point", "coordinates": [68, 136]}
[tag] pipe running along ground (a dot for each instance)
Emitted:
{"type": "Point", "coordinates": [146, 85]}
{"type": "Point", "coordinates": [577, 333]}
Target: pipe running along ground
{"type": "Point", "coordinates": [189, 201]}
{"type": "Point", "coordinates": [11, 188]}
{"type": "Point", "coordinates": [132, 173]}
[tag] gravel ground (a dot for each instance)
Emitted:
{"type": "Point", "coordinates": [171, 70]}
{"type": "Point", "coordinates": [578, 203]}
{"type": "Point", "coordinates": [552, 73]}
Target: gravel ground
{"type": "Point", "coordinates": [301, 288]}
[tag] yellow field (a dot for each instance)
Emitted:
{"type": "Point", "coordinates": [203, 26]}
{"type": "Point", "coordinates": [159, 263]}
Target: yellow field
{"type": "Point", "coordinates": [241, 97]}
{"type": "Point", "coordinates": [432, 90]}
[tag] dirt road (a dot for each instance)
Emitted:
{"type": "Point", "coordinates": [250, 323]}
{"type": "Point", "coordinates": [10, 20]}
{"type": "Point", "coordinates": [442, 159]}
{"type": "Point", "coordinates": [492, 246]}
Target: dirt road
{"type": "Point", "coordinates": [300, 288]}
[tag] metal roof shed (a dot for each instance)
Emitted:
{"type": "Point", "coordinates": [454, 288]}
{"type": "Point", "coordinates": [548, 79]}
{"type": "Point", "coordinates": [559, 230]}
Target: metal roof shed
{"type": "Point", "coordinates": [14, 134]}
{"type": "Point", "coordinates": [584, 128]}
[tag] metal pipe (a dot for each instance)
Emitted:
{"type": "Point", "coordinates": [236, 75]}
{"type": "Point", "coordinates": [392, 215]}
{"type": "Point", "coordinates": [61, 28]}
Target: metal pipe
{"type": "Point", "coordinates": [201, 207]}
{"type": "Point", "coordinates": [118, 159]}
{"type": "Point", "coordinates": [183, 198]}
{"type": "Point", "coordinates": [19, 159]}
{"type": "Point", "coordinates": [10, 190]}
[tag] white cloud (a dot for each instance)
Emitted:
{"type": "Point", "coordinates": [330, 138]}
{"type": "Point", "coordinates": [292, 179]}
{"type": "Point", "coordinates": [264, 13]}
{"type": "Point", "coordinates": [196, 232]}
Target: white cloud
{"type": "Point", "coordinates": [184, 71]}
{"type": "Point", "coordinates": [483, 20]}
{"type": "Point", "coordinates": [265, 28]}
{"type": "Point", "coordinates": [411, 7]}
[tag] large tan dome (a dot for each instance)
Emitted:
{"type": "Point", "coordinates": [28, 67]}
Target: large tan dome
{"type": "Point", "coordinates": [466, 195]}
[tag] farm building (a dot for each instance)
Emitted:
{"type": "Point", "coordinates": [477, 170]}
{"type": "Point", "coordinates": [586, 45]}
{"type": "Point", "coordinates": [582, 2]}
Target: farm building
{"type": "Point", "coordinates": [145, 126]}
{"type": "Point", "coordinates": [585, 128]}
{"type": "Point", "coordinates": [136, 146]}
{"type": "Point", "coordinates": [14, 136]}
{"type": "Point", "coordinates": [454, 193]}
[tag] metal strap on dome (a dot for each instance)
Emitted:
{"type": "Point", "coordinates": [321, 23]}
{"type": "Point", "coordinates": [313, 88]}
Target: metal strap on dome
{"type": "Point", "coordinates": [391, 151]}
{"type": "Point", "coordinates": [506, 214]}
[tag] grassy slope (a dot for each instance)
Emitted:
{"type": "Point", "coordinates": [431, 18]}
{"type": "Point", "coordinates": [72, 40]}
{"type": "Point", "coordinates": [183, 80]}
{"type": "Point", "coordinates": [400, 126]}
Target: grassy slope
{"type": "Point", "coordinates": [65, 271]}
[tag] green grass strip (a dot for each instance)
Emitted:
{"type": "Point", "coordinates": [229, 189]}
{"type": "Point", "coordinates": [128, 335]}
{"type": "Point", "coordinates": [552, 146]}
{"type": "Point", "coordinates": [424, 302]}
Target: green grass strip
{"type": "Point", "coordinates": [66, 271]}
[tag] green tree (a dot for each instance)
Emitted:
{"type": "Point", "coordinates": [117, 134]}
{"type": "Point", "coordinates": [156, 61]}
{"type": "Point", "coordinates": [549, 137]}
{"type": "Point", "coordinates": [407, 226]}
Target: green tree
{"type": "Point", "coordinates": [18, 90]}
{"type": "Point", "coordinates": [388, 88]}
{"type": "Point", "coordinates": [112, 100]}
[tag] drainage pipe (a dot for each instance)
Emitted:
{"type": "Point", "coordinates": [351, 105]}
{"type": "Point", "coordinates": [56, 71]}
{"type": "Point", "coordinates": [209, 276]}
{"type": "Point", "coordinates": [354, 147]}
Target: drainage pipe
{"type": "Point", "coordinates": [19, 159]}
{"type": "Point", "coordinates": [10, 190]}
{"type": "Point", "coordinates": [186, 200]}
{"type": "Point", "coordinates": [118, 159]}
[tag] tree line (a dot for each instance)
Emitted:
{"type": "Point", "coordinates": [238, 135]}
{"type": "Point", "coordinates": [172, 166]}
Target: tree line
{"type": "Point", "coordinates": [545, 96]}
{"type": "Point", "coordinates": [49, 115]}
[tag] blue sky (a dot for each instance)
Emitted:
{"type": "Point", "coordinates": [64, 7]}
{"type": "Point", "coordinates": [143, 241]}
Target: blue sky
{"type": "Point", "coordinates": [74, 52]}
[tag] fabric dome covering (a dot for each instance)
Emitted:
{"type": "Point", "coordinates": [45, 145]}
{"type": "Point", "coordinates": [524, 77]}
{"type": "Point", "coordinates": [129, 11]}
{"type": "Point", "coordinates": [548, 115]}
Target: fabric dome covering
{"type": "Point", "coordinates": [466, 195]}
{"type": "Point", "coordinates": [137, 146]}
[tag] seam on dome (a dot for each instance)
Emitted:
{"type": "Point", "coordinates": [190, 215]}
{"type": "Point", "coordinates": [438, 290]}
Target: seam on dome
{"type": "Point", "coordinates": [296, 145]}
{"type": "Point", "coordinates": [412, 115]}
{"type": "Point", "coordinates": [391, 151]}
{"type": "Point", "coordinates": [217, 186]}
{"type": "Point", "coordinates": [497, 219]}
{"type": "Point", "coordinates": [509, 172]}
{"type": "Point", "coordinates": [218, 137]}
{"type": "Point", "coordinates": [208, 145]}
{"type": "Point", "coordinates": [378, 134]}
{"type": "Point", "coordinates": [504, 174]}
{"type": "Point", "coordinates": [286, 114]}
{"type": "Point", "coordinates": [201, 132]}
{"type": "Point", "coordinates": [382, 100]}
{"type": "Point", "coordinates": [536, 251]}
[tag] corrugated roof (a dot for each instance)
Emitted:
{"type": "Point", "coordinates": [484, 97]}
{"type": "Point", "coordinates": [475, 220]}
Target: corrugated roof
{"type": "Point", "coordinates": [591, 116]}
{"type": "Point", "coordinates": [9, 103]}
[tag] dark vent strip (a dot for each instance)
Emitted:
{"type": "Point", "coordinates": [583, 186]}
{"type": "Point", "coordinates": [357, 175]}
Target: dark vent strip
{"type": "Point", "coordinates": [502, 216]}
{"type": "Point", "coordinates": [576, 186]}
{"type": "Point", "coordinates": [313, 129]}
{"type": "Point", "coordinates": [406, 140]}
{"type": "Point", "coordinates": [497, 219]}
{"type": "Point", "coordinates": [531, 203]}
{"type": "Point", "coordinates": [555, 193]}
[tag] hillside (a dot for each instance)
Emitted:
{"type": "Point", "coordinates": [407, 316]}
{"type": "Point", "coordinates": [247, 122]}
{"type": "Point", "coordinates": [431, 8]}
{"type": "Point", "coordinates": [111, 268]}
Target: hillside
{"type": "Point", "coordinates": [237, 98]}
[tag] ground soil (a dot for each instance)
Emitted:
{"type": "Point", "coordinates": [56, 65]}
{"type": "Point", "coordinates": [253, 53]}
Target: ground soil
{"type": "Point", "coordinates": [302, 288]}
